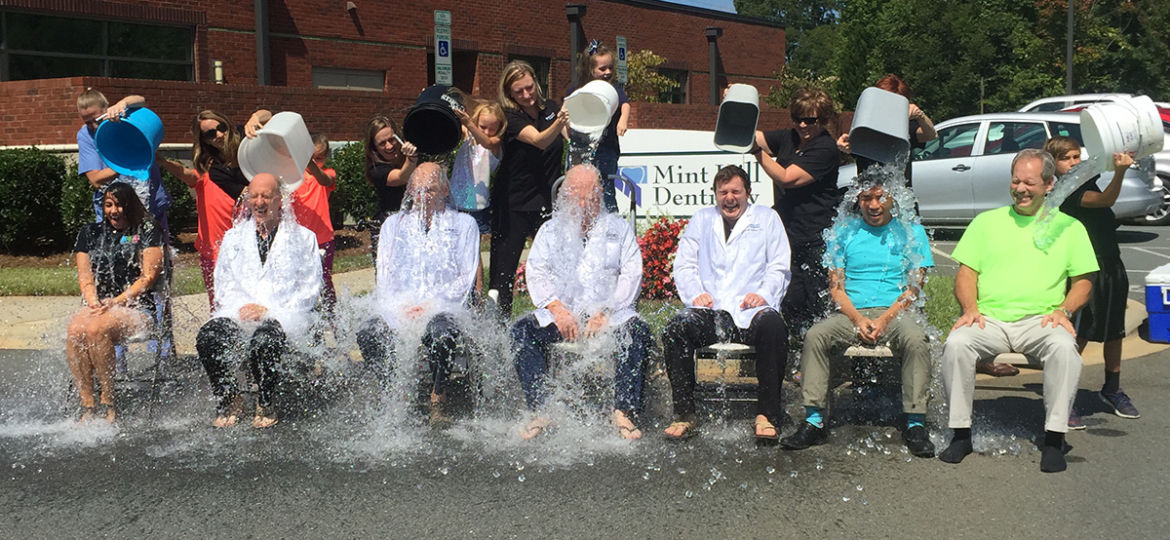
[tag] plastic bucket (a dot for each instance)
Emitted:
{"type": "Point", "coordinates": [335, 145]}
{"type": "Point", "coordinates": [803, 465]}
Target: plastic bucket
{"type": "Point", "coordinates": [431, 124]}
{"type": "Point", "coordinates": [283, 148]}
{"type": "Point", "coordinates": [592, 106]}
{"type": "Point", "coordinates": [881, 126]}
{"type": "Point", "coordinates": [128, 146]}
{"type": "Point", "coordinates": [1127, 125]}
{"type": "Point", "coordinates": [735, 128]}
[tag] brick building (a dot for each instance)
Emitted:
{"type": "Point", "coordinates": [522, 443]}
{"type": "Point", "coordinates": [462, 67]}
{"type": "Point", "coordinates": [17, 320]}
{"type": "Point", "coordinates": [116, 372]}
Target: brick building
{"type": "Point", "coordinates": [340, 62]}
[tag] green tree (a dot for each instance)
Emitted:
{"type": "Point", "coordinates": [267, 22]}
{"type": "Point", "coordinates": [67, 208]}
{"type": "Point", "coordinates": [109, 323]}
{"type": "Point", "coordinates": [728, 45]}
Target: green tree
{"type": "Point", "coordinates": [644, 83]}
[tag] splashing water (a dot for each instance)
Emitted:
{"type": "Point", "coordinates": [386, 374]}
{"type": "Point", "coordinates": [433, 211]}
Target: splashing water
{"type": "Point", "coordinates": [1043, 234]}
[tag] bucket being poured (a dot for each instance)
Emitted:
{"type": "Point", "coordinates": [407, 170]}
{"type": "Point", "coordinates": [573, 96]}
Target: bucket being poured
{"type": "Point", "coordinates": [881, 126]}
{"type": "Point", "coordinates": [128, 146]}
{"type": "Point", "coordinates": [1131, 124]}
{"type": "Point", "coordinates": [592, 106]}
{"type": "Point", "coordinates": [735, 127]}
{"type": "Point", "coordinates": [431, 124]}
{"type": "Point", "coordinates": [283, 148]}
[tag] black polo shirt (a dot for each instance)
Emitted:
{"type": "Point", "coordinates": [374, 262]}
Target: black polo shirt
{"type": "Point", "coordinates": [809, 209]}
{"type": "Point", "coordinates": [526, 173]}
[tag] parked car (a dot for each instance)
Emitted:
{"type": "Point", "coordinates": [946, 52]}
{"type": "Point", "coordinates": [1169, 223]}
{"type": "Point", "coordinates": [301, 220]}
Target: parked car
{"type": "Point", "coordinates": [966, 170]}
{"type": "Point", "coordinates": [1161, 214]}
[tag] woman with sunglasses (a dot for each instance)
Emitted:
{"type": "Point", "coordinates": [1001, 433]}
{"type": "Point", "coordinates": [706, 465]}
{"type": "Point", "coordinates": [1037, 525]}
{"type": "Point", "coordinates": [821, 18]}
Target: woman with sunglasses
{"type": "Point", "coordinates": [802, 162]}
{"type": "Point", "coordinates": [217, 180]}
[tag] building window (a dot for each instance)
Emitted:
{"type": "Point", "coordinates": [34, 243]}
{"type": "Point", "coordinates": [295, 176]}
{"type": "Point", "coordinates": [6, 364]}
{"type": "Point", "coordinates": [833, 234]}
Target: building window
{"type": "Point", "coordinates": [677, 94]}
{"type": "Point", "coordinates": [463, 64]}
{"type": "Point", "coordinates": [348, 79]}
{"type": "Point", "coordinates": [540, 65]}
{"type": "Point", "coordinates": [35, 46]}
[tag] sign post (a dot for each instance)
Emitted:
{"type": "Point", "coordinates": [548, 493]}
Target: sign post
{"type": "Point", "coordinates": [443, 73]}
{"type": "Point", "coordinates": [623, 73]}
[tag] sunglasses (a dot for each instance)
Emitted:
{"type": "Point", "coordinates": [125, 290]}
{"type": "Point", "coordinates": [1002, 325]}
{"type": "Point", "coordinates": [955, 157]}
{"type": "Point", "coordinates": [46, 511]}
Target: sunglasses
{"type": "Point", "coordinates": [210, 134]}
{"type": "Point", "coordinates": [807, 120]}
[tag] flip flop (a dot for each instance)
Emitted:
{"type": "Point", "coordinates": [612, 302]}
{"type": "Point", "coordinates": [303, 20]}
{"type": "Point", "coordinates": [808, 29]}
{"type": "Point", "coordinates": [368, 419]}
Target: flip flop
{"type": "Point", "coordinates": [689, 430]}
{"type": "Point", "coordinates": [265, 418]}
{"type": "Point", "coordinates": [758, 425]}
{"type": "Point", "coordinates": [626, 431]}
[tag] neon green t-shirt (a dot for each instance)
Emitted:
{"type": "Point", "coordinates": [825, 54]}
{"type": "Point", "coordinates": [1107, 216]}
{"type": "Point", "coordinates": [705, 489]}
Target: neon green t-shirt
{"type": "Point", "coordinates": [1016, 279]}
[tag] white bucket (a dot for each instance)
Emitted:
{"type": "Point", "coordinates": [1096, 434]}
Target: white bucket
{"type": "Point", "coordinates": [283, 148]}
{"type": "Point", "coordinates": [735, 128]}
{"type": "Point", "coordinates": [591, 106]}
{"type": "Point", "coordinates": [881, 126]}
{"type": "Point", "coordinates": [1128, 125]}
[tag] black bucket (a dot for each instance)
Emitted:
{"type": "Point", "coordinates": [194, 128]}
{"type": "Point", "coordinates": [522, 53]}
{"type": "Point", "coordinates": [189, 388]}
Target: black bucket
{"type": "Point", "coordinates": [431, 124]}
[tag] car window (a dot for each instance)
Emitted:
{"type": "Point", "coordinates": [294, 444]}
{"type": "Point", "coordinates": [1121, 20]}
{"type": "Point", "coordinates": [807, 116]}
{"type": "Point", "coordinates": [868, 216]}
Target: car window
{"type": "Point", "coordinates": [1011, 137]}
{"type": "Point", "coordinates": [1051, 106]}
{"type": "Point", "coordinates": [1066, 129]}
{"type": "Point", "coordinates": [952, 142]}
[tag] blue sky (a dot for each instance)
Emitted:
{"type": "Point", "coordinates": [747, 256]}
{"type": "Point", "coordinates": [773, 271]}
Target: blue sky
{"type": "Point", "coordinates": [717, 5]}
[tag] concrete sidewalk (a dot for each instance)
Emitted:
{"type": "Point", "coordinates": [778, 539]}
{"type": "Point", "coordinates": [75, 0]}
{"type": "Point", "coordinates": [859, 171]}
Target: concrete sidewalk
{"type": "Point", "coordinates": [38, 322]}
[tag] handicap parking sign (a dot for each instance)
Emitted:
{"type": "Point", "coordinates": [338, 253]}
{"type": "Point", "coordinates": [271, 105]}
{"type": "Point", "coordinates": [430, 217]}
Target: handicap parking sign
{"type": "Point", "coordinates": [444, 48]}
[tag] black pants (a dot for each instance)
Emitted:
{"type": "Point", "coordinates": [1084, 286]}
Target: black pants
{"type": "Point", "coordinates": [511, 230]}
{"type": "Point", "coordinates": [440, 342]}
{"type": "Point", "coordinates": [692, 328]}
{"type": "Point", "coordinates": [807, 299]}
{"type": "Point", "coordinates": [221, 346]}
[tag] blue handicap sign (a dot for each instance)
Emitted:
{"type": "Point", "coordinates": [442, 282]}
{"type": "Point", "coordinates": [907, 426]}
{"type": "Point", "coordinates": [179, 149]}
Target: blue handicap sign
{"type": "Point", "coordinates": [444, 48]}
{"type": "Point", "coordinates": [621, 53]}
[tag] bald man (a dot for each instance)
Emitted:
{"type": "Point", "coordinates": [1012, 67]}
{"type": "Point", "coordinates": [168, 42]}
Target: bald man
{"type": "Point", "coordinates": [267, 279]}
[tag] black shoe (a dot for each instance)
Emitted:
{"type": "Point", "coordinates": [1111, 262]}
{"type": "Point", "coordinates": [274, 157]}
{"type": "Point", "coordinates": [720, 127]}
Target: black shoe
{"type": "Point", "coordinates": [917, 440]}
{"type": "Point", "coordinates": [806, 435]}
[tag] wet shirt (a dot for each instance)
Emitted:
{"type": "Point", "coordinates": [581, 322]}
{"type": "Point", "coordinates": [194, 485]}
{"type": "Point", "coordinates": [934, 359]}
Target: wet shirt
{"type": "Point", "coordinates": [115, 257]}
{"type": "Point", "coordinates": [1100, 223]}
{"type": "Point", "coordinates": [526, 173]}
{"type": "Point", "coordinates": [471, 175]}
{"type": "Point", "coordinates": [389, 197]}
{"type": "Point", "coordinates": [878, 260]}
{"type": "Point", "coordinates": [809, 209]}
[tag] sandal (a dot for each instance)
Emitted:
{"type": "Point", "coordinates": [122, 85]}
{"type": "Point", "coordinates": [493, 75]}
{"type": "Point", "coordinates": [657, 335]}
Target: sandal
{"type": "Point", "coordinates": [229, 411]}
{"type": "Point", "coordinates": [764, 425]}
{"type": "Point", "coordinates": [689, 429]}
{"type": "Point", "coordinates": [626, 427]}
{"type": "Point", "coordinates": [265, 418]}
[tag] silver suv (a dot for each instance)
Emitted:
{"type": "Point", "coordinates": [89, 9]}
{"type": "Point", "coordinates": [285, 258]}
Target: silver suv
{"type": "Point", "coordinates": [966, 170]}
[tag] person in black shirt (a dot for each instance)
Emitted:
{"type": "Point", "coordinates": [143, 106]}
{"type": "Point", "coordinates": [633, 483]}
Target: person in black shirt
{"type": "Point", "coordinates": [520, 195]}
{"type": "Point", "coordinates": [389, 163]}
{"type": "Point", "coordinates": [802, 163]}
{"type": "Point", "coordinates": [118, 262]}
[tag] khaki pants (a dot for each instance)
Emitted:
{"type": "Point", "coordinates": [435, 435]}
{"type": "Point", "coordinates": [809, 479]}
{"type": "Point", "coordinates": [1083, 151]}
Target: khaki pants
{"type": "Point", "coordinates": [837, 332]}
{"type": "Point", "coordinates": [1054, 347]}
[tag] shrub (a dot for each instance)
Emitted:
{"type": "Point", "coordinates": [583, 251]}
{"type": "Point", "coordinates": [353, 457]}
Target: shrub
{"type": "Point", "coordinates": [76, 208]}
{"type": "Point", "coordinates": [181, 214]}
{"type": "Point", "coordinates": [659, 243]}
{"type": "Point", "coordinates": [30, 188]}
{"type": "Point", "coordinates": [354, 196]}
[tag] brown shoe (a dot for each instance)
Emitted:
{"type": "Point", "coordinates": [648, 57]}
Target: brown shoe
{"type": "Point", "coordinates": [996, 369]}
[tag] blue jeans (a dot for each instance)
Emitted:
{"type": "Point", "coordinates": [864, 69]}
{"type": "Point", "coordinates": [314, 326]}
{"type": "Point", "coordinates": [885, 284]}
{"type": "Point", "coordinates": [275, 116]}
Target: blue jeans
{"type": "Point", "coordinates": [530, 343]}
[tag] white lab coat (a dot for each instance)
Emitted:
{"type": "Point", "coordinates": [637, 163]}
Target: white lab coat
{"type": "Point", "coordinates": [287, 283]}
{"type": "Point", "coordinates": [434, 269]}
{"type": "Point", "coordinates": [603, 273]}
{"type": "Point", "coordinates": [753, 259]}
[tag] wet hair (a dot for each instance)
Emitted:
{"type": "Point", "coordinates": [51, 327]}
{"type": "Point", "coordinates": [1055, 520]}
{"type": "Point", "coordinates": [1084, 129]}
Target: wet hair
{"type": "Point", "coordinates": [585, 65]}
{"type": "Point", "coordinates": [893, 83]}
{"type": "Point", "coordinates": [127, 198]}
{"type": "Point", "coordinates": [809, 101]}
{"type": "Point", "coordinates": [1059, 146]}
{"type": "Point", "coordinates": [490, 107]}
{"type": "Point", "coordinates": [91, 97]}
{"type": "Point", "coordinates": [731, 171]}
{"type": "Point", "coordinates": [1047, 164]}
{"type": "Point", "coordinates": [205, 153]}
{"type": "Point", "coordinates": [408, 202]}
{"type": "Point", "coordinates": [376, 124]}
{"type": "Point", "coordinates": [321, 140]}
{"type": "Point", "coordinates": [514, 71]}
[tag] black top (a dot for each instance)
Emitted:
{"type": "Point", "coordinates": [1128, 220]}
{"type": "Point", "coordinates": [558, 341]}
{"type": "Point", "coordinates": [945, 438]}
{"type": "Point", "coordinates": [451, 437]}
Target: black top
{"type": "Point", "coordinates": [230, 179]}
{"type": "Point", "coordinates": [1100, 223]}
{"type": "Point", "coordinates": [389, 197]}
{"type": "Point", "coordinates": [116, 258]}
{"type": "Point", "coordinates": [526, 173]}
{"type": "Point", "coordinates": [809, 209]}
{"type": "Point", "coordinates": [609, 139]}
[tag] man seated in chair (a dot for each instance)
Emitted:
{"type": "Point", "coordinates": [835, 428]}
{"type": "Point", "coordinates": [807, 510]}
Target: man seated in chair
{"type": "Point", "coordinates": [876, 273]}
{"type": "Point", "coordinates": [731, 270]}
{"type": "Point", "coordinates": [584, 273]}
{"type": "Point", "coordinates": [267, 279]}
{"type": "Point", "coordinates": [1011, 287]}
{"type": "Point", "coordinates": [428, 255]}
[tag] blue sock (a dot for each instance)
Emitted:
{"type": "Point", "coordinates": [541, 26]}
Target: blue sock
{"type": "Point", "coordinates": [813, 416]}
{"type": "Point", "coordinates": [915, 420]}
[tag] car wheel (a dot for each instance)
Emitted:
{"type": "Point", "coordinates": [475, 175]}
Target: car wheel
{"type": "Point", "coordinates": [1161, 215]}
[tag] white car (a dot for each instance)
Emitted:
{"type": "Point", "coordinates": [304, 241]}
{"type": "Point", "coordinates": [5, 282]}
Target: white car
{"type": "Point", "coordinates": [966, 170]}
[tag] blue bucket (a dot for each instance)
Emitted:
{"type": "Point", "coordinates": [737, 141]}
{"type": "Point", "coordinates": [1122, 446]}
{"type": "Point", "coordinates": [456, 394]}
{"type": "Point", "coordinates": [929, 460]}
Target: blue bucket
{"type": "Point", "coordinates": [128, 146]}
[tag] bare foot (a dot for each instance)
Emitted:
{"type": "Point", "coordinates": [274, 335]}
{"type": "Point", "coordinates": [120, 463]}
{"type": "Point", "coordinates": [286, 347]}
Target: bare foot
{"type": "Point", "coordinates": [87, 414]}
{"type": "Point", "coordinates": [225, 420]}
{"type": "Point", "coordinates": [679, 430]}
{"type": "Point", "coordinates": [626, 428]}
{"type": "Point", "coordinates": [261, 422]}
{"type": "Point", "coordinates": [535, 428]}
{"type": "Point", "coordinates": [111, 414]}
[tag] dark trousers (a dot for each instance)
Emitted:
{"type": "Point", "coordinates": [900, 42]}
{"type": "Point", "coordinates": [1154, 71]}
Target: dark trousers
{"type": "Point", "coordinates": [692, 328]}
{"type": "Point", "coordinates": [530, 343]}
{"type": "Point", "coordinates": [440, 341]}
{"type": "Point", "coordinates": [221, 344]}
{"type": "Point", "coordinates": [807, 299]}
{"type": "Point", "coordinates": [512, 229]}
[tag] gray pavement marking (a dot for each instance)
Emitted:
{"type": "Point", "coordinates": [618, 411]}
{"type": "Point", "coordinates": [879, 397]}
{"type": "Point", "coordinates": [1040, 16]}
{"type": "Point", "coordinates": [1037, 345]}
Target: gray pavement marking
{"type": "Point", "coordinates": [1150, 251]}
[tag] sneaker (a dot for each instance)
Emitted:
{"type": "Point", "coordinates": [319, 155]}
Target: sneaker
{"type": "Point", "coordinates": [806, 435]}
{"type": "Point", "coordinates": [917, 440]}
{"type": "Point", "coordinates": [1120, 404]}
{"type": "Point", "coordinates": [1075, 422]}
